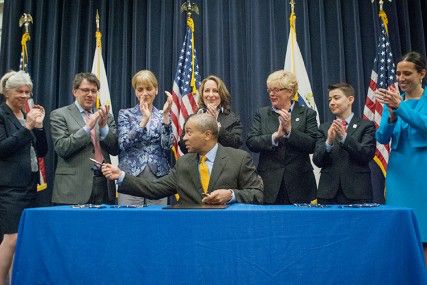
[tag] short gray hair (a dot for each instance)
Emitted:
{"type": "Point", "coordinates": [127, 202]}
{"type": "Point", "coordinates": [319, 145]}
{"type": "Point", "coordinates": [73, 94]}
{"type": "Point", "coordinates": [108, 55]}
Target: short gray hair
{"type": "Point", "coordinates": [205, 122]}
{"type": "Point", "coordinates": [15, 79]}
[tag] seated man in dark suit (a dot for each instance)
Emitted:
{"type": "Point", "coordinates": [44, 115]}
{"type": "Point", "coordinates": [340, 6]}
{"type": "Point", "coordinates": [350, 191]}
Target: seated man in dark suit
{"type": "Point", "coordinates": [209, 173]}
{"type": "Point", "coordinates": [343, 151]}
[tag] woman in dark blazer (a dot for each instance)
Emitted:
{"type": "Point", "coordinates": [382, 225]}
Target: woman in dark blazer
{"type": "Point", "coordinates": [22, 140]}
{"type": "Point", "coordinates": [284, 134]}
{"type": "Point", "coordinates": [215, 99]}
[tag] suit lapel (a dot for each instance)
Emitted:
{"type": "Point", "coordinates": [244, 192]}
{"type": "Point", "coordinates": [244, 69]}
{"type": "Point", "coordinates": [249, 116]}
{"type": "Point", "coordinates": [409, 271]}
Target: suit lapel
{"type": "Point", "coordinates": [296, 114]}
{"type": "Point", "coordinates": [75, 114]}
{"type": "Point", "coordinates": [354, 124]}
{"type": "Point", "coordinates": [11, 116]}
{"type": "Point", "coordinates": [218, 166]}
{"type": "Point", "coordinates": [273, 121]}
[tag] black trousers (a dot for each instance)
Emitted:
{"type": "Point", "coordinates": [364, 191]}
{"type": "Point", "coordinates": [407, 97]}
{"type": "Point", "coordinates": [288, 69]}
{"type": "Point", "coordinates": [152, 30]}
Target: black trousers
{"type": "Point", "coordinates": [341, 199]}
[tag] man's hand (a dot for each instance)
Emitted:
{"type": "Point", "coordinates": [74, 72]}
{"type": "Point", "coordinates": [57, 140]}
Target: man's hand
{"type": "Point", "coordinates": [340, 131]}
{"type": "Point", "coordinates": [331, 135]}
{"type": "Point", "coordinates": [92, 120]}
{"type": "Point", "coordinates": [218, 197]}
{"type": "Point", "coordinates": [110, 171]}
{"type": "Point", "coordinates": [103, 115]}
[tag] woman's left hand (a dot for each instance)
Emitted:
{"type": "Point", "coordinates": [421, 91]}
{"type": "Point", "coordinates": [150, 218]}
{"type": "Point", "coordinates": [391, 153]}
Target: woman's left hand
{"type": "Point", "coordinates": [39, 117]}
{"type": "Point", "coordinates": [389, 97]}
{"type": "Point", "coordinates": [167, 108]}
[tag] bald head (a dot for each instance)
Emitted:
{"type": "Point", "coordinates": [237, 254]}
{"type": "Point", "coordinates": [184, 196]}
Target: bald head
{"type": "Point", "coordinates": [205, 122]}
{"type": "Point", "coordinates": [201, 133]}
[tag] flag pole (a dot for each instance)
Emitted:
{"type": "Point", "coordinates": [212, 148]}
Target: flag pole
{"type": "Point", "coordinates": [25, 21]}
{"type": "Point", "coordinates": [382, 14]}
{"type": "Point", "coordinates": [293, 31]}
{"type": "Point", "coordinates": [98, 37]}
{"type": "Point", "coordinates": [189, 8]}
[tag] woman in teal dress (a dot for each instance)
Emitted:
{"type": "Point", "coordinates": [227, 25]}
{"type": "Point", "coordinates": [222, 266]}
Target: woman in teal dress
{"type": "Point", "coordinates": [404, 121]}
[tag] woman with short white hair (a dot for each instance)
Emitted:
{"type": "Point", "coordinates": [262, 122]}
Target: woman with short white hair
{"type": "Point", "coordinates": [22, 140]}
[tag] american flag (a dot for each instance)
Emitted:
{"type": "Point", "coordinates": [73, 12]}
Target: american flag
{"type": "Point", "coordinates": [185, 85]}
{"type": "Point", "coordinates": [382, 76]}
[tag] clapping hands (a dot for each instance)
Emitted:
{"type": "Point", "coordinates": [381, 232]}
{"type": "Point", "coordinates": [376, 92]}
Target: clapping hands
{"type": "Point", "coordinates": [35, 117]}
{"type": "Point", "coordinates": [167, 108]}
{"type": "Point", "coordinates": [285, 124]}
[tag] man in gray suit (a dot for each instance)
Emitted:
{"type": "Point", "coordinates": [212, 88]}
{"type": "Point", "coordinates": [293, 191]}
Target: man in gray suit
{"type": "Point", "coordinates": [80, 132]}
{"type": "Point", "coordinates": [232, 174]}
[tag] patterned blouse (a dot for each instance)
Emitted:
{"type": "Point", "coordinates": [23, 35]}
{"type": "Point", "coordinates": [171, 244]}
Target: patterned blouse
{"type": "Point", "coordinates": [140, 147]}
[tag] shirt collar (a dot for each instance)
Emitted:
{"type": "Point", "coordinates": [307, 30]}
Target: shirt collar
{"type": "Point", "coordinates": [349, 118]}
{"type": "Point", "coordinates": [81, 110]}
{"type": "Point", "coordinates": [210, 155]}
{"type": "Point", "coordinates": [290, 109]}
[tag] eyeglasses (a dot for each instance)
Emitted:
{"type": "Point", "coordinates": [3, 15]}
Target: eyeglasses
{"type": "Point", "coordinates": [26, 93]}
{"type": "Point", "coordinates": [87, 90]}
{"type": "Point", "coordinates": [277, 90]}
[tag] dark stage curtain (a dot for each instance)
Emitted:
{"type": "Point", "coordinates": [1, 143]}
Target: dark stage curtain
{"type": "Point", "coordinates": [242, 41]}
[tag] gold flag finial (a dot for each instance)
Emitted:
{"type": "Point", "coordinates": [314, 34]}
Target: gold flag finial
{"type": "Point", "coordinates": [380, 3]}
{"type": "Point", "coordinates": [25, 21]}
{"type": "Point", "coordinates": [97, 20]}
{"type": "Point", "coordinates": [189, 8]}
{"type": "Point", "coordinates": [292, 3]}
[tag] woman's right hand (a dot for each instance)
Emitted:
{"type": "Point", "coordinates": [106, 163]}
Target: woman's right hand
{"type": "Point", "coordinates": [35, 118]}
{"type": "Point", "coordinates": [146, 113]}
{"type": "Point", "coordinates": [212, 110]}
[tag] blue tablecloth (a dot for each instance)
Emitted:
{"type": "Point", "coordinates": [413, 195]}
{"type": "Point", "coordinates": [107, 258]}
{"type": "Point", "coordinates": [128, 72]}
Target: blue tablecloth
{"type": "Point", "coordinates": [243, 244]}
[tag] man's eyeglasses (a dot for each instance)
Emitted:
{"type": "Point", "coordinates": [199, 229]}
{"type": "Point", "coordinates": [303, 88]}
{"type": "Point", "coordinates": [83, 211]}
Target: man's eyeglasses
{"type": "Point", "coordinates": [277, 90]}
{"type": "Point", "coordinates": [87, 90]}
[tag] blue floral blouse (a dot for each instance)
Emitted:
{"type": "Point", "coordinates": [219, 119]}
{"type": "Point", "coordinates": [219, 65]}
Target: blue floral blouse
{"type": "Point", "coordinates": [140, 147]}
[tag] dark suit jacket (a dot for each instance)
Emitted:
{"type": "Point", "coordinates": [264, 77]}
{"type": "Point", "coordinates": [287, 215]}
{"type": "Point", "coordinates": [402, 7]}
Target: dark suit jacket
{"type": "Point", "coordinates": [15, 143]}
{"type": "Point", "coordinates": [290, 159]}
{"type": "Point", "coordinates": [230, 133]}
{"type": "Point", "coordinates": [347, 163]}
{"type": "Point", "coordinates": [232, 169]}
{"type": "Point", "coordinates": [73, 175]}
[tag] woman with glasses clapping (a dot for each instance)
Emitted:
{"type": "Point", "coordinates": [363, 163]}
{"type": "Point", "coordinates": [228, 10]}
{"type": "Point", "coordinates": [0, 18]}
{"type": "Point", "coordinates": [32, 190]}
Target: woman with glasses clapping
{"type": "Point", "coordinates": [284, 134]}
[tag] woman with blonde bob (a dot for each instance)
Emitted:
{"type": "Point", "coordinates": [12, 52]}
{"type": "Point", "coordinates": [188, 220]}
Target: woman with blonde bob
{"type": "Point", "coordinates": [145, 136]}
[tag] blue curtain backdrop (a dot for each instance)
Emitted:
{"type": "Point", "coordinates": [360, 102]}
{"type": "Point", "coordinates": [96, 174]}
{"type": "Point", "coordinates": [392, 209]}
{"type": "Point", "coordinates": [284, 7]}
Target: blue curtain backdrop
{"type": "Point", "coordinates": [242, 41]}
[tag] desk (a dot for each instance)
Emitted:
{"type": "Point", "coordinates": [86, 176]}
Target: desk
{"type": "Point", "coordinates": [243, 244]}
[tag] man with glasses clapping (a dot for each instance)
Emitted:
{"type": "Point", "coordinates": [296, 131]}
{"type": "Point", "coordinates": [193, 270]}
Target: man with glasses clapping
{"type": "Point", "coordinates": [80, 132]}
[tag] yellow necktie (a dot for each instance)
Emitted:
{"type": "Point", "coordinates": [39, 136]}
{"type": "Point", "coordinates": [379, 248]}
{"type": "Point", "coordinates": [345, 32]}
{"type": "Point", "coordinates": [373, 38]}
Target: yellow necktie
{"type": "Point", "coordinates": [204, 173]}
